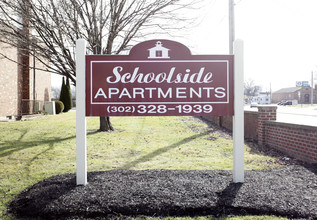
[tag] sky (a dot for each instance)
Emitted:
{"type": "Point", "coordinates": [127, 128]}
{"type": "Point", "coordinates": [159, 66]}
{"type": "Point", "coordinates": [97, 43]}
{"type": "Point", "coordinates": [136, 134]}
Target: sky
{"type": "Point", "coordinates": [280, 38]}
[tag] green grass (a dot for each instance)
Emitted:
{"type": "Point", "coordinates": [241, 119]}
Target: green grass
{"type": "Point", "coordinates": [31, 151]}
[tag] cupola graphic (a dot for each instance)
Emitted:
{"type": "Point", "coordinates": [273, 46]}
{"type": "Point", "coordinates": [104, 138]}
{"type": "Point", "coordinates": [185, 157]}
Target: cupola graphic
{"type": "Point", "coordinates": [158, 51]}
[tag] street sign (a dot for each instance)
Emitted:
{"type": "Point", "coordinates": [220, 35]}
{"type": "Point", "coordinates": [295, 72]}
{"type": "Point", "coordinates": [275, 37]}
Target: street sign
{"type": "Point", "coordinates": [302, 84]}
{"type": "Point", "coordinates": [159, 78]}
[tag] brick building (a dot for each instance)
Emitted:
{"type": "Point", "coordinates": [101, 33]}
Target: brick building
{"type": "Point", "coordinates": [301, 94]}
{"type": "Point", "coordinates": [23, 90]}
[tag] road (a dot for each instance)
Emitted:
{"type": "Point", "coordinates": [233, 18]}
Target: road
{"type": "Point", "coordinates": [303, 115]}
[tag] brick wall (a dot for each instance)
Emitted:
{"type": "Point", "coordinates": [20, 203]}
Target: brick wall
{"type": "Point", "coordinates": [226, 122]}
{"type": "Point", "coordinates": [8, 82]}
{"type": "Point", "coordinates": [277, 97]}
{"type": "Point", "coordinates": [265, 113]}
{"type": "Point", "coordinates": [17, 83]}
{"type": "Point", "coordinates": [42, 87]}
{"type": "Point", "coordinates": [302, 99]}
{"type": "Point", "coordinates": [250, 123]}
{"type": "Point", "coordinates": [298, 141]}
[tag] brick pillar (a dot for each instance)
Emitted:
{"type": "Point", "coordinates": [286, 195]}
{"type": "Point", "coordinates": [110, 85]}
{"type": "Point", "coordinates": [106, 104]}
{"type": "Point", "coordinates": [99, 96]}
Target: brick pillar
{"type": "Point", "coordinates": [24, 55]}
{"type": "Point", "coordinates": [24, 81]}
{"type": "Point", "coordinates": [25, 76]}
{"type": "Point", "coordinates": [265, 113]}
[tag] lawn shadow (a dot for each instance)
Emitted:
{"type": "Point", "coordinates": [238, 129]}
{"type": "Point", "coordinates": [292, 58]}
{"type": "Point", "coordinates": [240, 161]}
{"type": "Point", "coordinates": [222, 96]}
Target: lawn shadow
{"type": "Point", "coordinates": [159, 151]}
{"type": "Point", "coordinates": [9, 147]}
{"type": "Point", "coordinates": [28, 165]}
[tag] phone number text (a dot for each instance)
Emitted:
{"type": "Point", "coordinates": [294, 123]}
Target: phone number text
{"type": "Point", "coordinates": [159, 109]}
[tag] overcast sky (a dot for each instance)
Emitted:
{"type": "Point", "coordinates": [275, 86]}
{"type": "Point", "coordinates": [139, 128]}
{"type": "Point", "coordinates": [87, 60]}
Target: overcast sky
{"type": "Point", "coordinates": [280, 38]}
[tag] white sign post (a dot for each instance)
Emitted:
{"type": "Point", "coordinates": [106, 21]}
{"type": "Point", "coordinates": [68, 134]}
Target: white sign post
{"type": "Point", "coordinates": [238, 118]}
{"type": "Point", "coordinates": [81, 143]}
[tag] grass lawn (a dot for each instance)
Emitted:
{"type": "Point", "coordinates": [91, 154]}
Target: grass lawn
{"type": "Point", "coordinates": [31, 151]}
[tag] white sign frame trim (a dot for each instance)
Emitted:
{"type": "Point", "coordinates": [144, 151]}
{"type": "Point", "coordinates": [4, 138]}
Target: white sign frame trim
{"type": "Point", "coordinates": [81, 131]}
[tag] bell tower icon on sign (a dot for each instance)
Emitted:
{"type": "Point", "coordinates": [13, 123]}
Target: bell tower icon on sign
{"type": "Point", "coordinates": [158, 52]}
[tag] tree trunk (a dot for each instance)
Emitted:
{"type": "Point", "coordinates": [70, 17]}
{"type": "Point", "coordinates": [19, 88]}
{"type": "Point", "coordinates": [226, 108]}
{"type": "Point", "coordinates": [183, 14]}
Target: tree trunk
{"type": "Point", "coordinates": [105, 124]}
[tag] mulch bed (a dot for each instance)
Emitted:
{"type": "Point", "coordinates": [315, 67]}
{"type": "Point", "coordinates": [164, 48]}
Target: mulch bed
{"type": "Point", "coordinates": [289, 191]}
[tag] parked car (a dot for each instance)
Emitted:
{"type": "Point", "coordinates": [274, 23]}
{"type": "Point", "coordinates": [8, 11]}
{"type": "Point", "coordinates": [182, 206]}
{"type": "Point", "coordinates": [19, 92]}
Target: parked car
{"type": "Point", "coordinates": [288, 102]}
{"type": "Point", "coordinates": [253, 104]}
{"type": "Point", "coordinates": [281, 102]}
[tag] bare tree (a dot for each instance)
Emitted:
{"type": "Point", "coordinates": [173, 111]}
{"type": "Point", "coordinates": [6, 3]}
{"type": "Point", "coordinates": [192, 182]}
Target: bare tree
{"type": "Point", "coordinates": [56, 90]}
{"type": "Point", "coordinates": [251, 89]}
{"type": "Point", "coordinates": [48, 29]}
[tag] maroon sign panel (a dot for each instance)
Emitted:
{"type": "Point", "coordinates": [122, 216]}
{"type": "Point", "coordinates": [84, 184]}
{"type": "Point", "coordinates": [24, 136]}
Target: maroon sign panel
{"type": "Point", "coordinates": [159, 78]}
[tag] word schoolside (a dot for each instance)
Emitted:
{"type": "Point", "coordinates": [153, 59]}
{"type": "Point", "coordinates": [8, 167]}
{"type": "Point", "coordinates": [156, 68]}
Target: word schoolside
{"type": "Point", "coordinates": [120, 76]}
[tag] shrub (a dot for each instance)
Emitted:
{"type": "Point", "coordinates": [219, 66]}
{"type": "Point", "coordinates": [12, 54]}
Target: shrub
{"type": "Point", "coordinates": [69, 101]}
{"type": "Point", "coordinates": [62, 93]}
{"type": "Point", "coordinates": [59, 106]}
{"type": "Point", "coordinates": [65, 95]}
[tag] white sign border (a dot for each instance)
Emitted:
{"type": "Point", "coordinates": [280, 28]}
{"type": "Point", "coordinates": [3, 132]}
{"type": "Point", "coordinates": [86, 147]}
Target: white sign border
{"type": "Point", "coordinates": [158, 61]}
{"type": "Point", "coordinates": [238, 118]}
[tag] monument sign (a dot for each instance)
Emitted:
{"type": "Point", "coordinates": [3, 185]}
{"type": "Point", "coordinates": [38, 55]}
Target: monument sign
{"type": "Point", "coordinates": [159, 78]}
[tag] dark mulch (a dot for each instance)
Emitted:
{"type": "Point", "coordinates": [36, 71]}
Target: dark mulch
{"type": "Point", "coordinates": [289, 191]}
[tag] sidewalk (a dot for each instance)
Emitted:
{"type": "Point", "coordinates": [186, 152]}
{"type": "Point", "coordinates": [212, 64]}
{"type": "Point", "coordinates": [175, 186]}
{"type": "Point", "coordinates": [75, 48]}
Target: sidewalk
{"type": "Point", "coordinates": [297, 115]}
{"type": "Point", "coordinates": [306, 115]}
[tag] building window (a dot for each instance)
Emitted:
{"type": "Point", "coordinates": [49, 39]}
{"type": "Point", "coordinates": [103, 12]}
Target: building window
{"type": "Point", "coordinates": [158, 53]}
{"type": "Point", "coordinates": [306, 98]}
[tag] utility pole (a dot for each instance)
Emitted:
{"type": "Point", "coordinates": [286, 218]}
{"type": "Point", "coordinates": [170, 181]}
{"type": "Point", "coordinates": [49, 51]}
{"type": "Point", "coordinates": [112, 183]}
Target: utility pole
{"type": "Point", "coordinates": [270, 93]}
{"type": "Point", "coordinates": [231, 26]}
{"type": "Point", "coordinates": [312, 88]}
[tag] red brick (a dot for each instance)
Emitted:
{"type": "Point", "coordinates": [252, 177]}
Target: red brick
{"type": "Point", "coordinates": [13, 88]}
